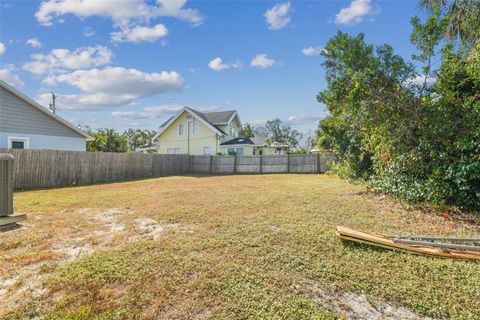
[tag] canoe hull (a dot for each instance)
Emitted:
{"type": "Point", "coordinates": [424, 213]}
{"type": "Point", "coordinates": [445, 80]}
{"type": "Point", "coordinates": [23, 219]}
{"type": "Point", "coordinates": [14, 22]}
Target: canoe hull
{"type": "Point", "coordinates": [387, 243]}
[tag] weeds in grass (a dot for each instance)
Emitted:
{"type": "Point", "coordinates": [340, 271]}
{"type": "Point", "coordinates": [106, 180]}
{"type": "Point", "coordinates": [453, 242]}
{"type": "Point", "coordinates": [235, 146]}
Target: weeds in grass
{"type": "Point", "coordinates": [225, 247]}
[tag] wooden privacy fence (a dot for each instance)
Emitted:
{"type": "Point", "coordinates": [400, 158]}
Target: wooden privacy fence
{"type": "Point", "coordinates": [291, 163]}
{"type": "Point", "coordinates": [51, 168]}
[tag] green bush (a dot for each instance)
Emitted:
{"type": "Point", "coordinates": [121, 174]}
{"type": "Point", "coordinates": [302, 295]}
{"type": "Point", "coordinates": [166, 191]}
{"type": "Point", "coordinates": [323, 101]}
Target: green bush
{"type": "Point", "coordinates": [416, 141]}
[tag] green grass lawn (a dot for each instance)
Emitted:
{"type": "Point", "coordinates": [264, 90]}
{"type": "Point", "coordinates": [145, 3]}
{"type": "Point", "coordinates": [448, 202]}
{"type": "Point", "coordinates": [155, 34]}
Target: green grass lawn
{"type": "Point", "coordinates": [226, 247]}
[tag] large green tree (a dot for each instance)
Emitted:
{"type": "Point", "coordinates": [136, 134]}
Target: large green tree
{"type": "Point", "coordinates": [367, 101]}
{"type": "Point", "coordinates": [137, 137]}
{"type": "Point", "coordinates": [399, 130]}
{"type": "Point", "coordinates": [275, 131]}
{"type": "Point", "coordinates": [248, 130]}
{"type": "Point", "coordinates": [107, 140]}
{"type": "Point", "coordinates": [462, 18]}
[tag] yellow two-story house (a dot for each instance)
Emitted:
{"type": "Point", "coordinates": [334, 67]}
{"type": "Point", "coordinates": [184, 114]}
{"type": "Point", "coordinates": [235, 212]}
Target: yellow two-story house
{"type": "Point", "coordinates": [200, 133]}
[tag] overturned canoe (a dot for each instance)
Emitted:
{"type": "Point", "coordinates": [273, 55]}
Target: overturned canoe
{"type": "Point", "coordinates": [388, 243]}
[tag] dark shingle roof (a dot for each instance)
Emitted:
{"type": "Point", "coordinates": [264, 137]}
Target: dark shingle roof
{"type": "Point", "coordinates": [218, 118]}
{"type": "Point", "coordinates": [237, 141]}
{"type": "Point", "coordinates": [259, 141]}
{"type": "Point", "coordinates": [215, 118]}
{"type": "Point", "coordinates": [165, 123]}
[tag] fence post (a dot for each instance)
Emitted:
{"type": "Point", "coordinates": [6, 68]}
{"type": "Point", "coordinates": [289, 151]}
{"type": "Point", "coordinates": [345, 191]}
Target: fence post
{"type": "Point", "coordinates": [211, 164]}
{"type": "Point", "coordinates": [190, 166]}
{"type": "Point", "coordinates": [318, 162]}
{"type": "Point", "coordinates": [234, 163]}
{"type": "Point", "coordinates": [288, 162]}
{"type": "Point", "coordinates": [261, 163]}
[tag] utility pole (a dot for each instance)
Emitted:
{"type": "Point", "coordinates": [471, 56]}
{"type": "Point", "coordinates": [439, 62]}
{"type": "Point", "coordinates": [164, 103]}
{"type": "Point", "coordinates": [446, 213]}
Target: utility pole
{"type": "Point", "coordinates": [188, 136]}
{"type": "Point", "coordinates": [190, 119]}
{"type": "Point", "coordinates": [51, 106]}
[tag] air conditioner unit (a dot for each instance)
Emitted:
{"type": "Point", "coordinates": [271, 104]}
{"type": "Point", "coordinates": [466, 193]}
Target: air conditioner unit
{"type": "Point", "coordinates": [6, 184]}
{"type": "Point", "coordinates": [7, 218]}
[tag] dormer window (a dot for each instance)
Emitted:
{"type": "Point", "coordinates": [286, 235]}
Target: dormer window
{"type": "Point", "coordinates": [181, 129]}
{"type": "Point", "coordinates": [232, 131]}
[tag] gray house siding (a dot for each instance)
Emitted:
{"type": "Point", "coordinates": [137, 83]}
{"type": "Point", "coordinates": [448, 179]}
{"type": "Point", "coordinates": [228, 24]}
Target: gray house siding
{"type": "Point", "coordinates": [37, 141]}
{"type": "Point", "coordinates": [22, 121]}
{"type": "Point", "coordinates": [18, 116]}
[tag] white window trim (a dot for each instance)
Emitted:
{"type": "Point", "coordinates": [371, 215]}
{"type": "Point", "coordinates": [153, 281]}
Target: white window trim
{"type": "Point", "coordinates": [183, 129]}
{"type": "Point", "coordinates": [174, 149]}
{"type": "Point", "coordinates": [204, 151]}
{"type": "Point", "coordinates": [195, 124]}
{"type": "Point", "coordinates": [26, 141]}
{"type": "Point", "coordinates": [243, 151]}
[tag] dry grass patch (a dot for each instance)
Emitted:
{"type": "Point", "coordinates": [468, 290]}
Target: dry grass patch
{"type": "Point", "coordinates": [227, 247]}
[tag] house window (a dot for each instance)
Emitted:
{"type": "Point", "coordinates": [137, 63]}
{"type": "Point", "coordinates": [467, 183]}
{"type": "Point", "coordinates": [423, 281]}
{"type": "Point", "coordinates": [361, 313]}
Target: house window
{"type": "Point", "coordinates": [174, 151]}
{"type": "Point", "coordinates": [18, 143]}
{"type": "Point", "coordinates": [232, 131]}
{"type": "Point", "coordinates": [207, 151]}
{"type": "Point", "coordinates": [235, 151]}
{"type": "Point", "coordinates": [181, 128]}
{"type": "Point", "coordinates": [195, 128]}
{"type": "Point", "coordinates": [257, 152]}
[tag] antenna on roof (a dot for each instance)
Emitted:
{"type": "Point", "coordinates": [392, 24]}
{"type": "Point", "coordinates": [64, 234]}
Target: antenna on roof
{"type": "Point", "coordinates": [51, 106]}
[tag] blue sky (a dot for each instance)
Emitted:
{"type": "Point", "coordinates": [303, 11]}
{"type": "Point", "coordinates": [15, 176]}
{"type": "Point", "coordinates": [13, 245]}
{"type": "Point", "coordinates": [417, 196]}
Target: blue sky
{"type": "Point", "coordinates": [133, 63]}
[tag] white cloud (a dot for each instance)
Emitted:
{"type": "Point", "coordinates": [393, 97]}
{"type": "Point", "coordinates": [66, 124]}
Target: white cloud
{"type": "Point", "coordinates": [159, 111]}
{"type": "Point", "coordinates": [278, 16]}
{"type": "Point", "coordinates": [7, 74]}
{"type": "Point", "coordinates": [62, 60]}
{"type": "Point", "coordinates": [313, 51]}
{"type": "Point", "coordinates": [218, 65]}
{"type": "Point", "coordinates": [94, 101]}
{"type": "Point", "coordinates": [122, 80]}
{"type": "Point", "coordinates": [258, 122]}
{"type": "Point", "coordinates": [112, 86]}
{"type": "Point", "coordinates": [262, 61]}
{"type": "Point", "coordinates": [418, 81]}
{"type": "Point", "coordinates": [131, 114]}
{"type": "Point", "coordinates": [88, 32]}
{"type": "Point", "coordinates": [121, 12]}
{"type": "Point", "coordinates": [149, 112]}
{"type": "Point", "coordinates": [294, 120]}
{"type": "Point", "coordinates": [2, 48]}
{"type": "Point", "coordinates": [355, 13]}
{"type": "Point", "coordinates": [34, 43]}
{"type": "Point", "coordinates": [175, 9]}
{"type": "Point", "coordinates": [139, 33]}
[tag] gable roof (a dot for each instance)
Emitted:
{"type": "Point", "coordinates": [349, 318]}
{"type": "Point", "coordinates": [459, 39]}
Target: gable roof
{"type": "Point", "coordinates": [220, 118]}
{"type": "Point", "coordinates": [202, 117]}
{"type": "Point", "coordinates": [165, 123]}
{"type": "Point", "coordinates": [260, 141]}
{"type": "Point", "coordinates": [205, 116]}
{"type": "Point", "coordinates": [216, 118]}
{"type": "Point", "coordinates": [238, 141]}
{"type": "Point", "coordinates": [37, 106]}
{"type": "Point", "coordinates": [253, 141]}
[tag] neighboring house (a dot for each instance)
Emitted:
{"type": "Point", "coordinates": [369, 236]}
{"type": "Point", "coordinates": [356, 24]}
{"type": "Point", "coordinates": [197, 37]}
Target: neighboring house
{"type": "Point", "coordinates": [196, 133]}
{"type": "Point", "coordinates": [24, 124]}
{"type": "Point", "coordinates": [253, 146]}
